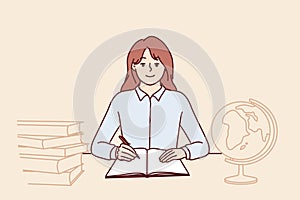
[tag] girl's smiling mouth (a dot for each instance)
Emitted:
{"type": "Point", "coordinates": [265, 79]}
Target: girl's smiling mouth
{"type": "Point", "coordinates": [150, 76]}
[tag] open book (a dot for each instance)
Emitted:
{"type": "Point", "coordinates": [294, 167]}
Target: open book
{"type": "Point", "coordinates": [147, 166]}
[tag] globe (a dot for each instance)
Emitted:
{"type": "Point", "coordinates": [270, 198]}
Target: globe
{"type": "Point", "coordinates": [245, 132]}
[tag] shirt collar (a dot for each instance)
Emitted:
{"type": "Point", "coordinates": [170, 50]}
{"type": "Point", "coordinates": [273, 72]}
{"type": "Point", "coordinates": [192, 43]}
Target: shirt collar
{"type": "Point", "coordinates": [141, 94]}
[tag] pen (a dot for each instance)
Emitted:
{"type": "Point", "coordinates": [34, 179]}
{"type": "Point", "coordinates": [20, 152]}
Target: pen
{"type": "Point", "coordinates": [124, 141]}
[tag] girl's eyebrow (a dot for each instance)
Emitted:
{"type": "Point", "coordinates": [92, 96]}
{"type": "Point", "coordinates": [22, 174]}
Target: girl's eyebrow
{"type": "Point", "coordinates": [143, 57]}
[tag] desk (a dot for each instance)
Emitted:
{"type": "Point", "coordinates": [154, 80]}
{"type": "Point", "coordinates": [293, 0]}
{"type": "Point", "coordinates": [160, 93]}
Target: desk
{"type": "Point", "coordinates": [205, 182]}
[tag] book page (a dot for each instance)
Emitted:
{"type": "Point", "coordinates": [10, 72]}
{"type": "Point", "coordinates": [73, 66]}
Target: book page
{"type": "Point", "coordinates": [156, 167]}
{"type": "Point", "coordinates": [134, 167]}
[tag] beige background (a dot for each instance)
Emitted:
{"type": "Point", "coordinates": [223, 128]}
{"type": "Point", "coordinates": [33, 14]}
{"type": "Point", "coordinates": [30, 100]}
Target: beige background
{"type": "Point", "coordinates": [254, 45]}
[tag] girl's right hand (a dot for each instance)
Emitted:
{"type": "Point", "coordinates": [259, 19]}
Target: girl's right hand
{"type": "Point", "coordinates": [125, 153]}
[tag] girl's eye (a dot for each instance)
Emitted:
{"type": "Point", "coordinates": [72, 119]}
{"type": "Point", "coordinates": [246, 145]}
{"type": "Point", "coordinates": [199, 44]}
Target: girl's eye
{"type": "Point", "coordinates": [156, 64]}
{"type": "Point", "coordinates": [143, 64]}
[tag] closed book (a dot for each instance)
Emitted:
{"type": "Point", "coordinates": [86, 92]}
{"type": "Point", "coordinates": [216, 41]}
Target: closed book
{"type": "Point", "coordinates": [47, 141]}
{"type": "Point", "coordinates": [48, 128]}
{"type": "Point", "coordinates": [54, 164]}
{"type": "Point", "coordinates": [55, 151]}
{"type": "Point", "coordinates": [44, 178]}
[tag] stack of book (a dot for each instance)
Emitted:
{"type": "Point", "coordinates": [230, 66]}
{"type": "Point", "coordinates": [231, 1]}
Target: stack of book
{"type": "Point", "coordinates": [50, 151]}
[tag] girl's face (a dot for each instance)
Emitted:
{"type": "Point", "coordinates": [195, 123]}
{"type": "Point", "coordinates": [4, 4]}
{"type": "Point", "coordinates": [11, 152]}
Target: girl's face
{"type": "Point", "coordinates": [149, 70]}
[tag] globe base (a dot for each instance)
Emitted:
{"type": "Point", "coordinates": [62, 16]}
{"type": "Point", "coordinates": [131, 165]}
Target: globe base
{"type": "Point", "coordinates": [240, 178]}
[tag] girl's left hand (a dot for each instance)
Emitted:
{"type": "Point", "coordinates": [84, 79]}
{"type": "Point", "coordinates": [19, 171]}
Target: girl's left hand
{"type": "Point", "coordinates": [172, 154]}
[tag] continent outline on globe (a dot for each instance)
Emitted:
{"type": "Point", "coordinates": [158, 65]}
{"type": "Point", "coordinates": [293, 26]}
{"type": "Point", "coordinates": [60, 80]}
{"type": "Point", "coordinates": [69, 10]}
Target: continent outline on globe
{"type": "Point", "coordinates": [268, 137]}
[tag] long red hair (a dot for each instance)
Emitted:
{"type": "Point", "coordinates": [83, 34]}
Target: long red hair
{"type": "Point", "coordinates": [158, 50]}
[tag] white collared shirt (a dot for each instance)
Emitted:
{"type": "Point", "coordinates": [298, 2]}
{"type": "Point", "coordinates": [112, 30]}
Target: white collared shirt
{"type": "Point", "coordinates": [150, 123]}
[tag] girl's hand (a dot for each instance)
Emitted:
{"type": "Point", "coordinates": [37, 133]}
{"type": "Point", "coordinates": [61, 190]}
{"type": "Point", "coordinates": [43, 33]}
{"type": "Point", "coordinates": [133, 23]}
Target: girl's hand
{"type": "Point", "coordinates": [125, 153]}
{"type": "Point", "coordinates": [172, 154]}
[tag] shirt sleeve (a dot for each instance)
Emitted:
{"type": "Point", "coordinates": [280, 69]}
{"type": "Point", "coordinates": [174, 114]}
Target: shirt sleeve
{"type": "Point", "coordinates": [101, 146]}
{"type": "Point", "coordinates": [198, 146]}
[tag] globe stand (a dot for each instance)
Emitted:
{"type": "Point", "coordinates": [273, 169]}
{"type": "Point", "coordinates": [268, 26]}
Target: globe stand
{"type": "Point", "coordinates": [240, 178]}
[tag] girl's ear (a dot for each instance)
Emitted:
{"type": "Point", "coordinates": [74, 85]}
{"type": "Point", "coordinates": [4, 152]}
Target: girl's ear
{"type": "Point", "coordinates": [133, 67]}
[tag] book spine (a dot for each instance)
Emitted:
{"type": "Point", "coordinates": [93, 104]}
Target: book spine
{"type": "Point", "coordinates": [147, 164]}
{"type": "Point", "coordinates": [69, 162]}
{"type": "Point", "coordinates": [78, 149]}
{"type": "Point", "coordinates": [73, 129]}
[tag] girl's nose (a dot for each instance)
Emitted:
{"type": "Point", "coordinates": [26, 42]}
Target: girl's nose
{"type": "Point", "coordinates": [150, 68]}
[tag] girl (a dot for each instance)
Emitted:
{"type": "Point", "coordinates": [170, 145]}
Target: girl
{"type": "Point", "coordinates": [149, 110]}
